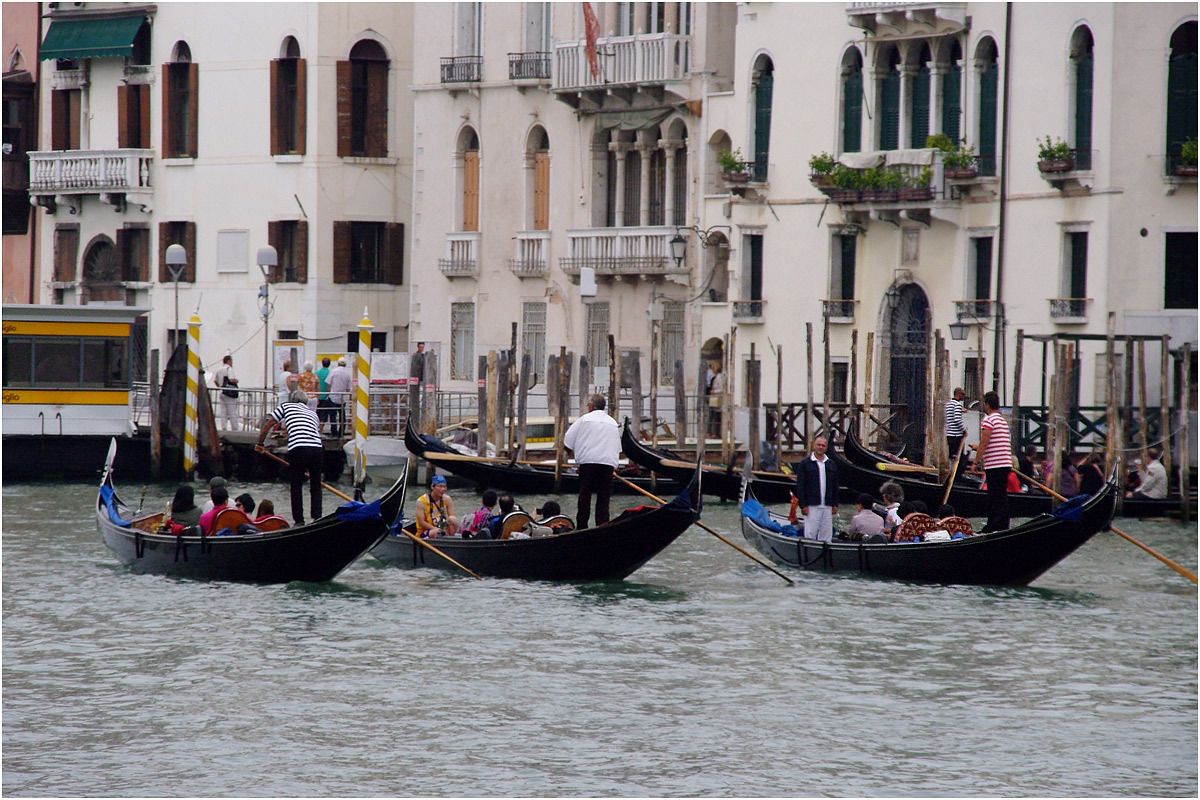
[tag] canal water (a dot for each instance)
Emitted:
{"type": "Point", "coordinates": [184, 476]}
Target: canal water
{"type": "Point", "coordinates": [701, 675]}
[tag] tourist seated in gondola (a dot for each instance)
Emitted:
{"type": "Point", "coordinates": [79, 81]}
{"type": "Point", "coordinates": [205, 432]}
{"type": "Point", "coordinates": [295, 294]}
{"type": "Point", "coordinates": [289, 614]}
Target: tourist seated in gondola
{"type": "Point", "coordinates": [892, 495]}
{"type": "Point", "coordinates": [549, 520]}
{"type": "Point", "coordinates": [915, 522]}
{"type": "Point", "coordinates": [220, 498]}
{"type": "Point", "coordinates": [953, 524]}
{"type": "Point", "coordinates": [435, 511]}
{"type": "Point", "coordinates": [1091, 474]}
{"type": "Point", "coordinates": [505, 505]}
{"type": "Point", "coordinates": [182, 513]}
{"type": "Point", "coordinates": [244, 503]}
{"type": "Point", "coordinates": [865, 525]}
{"type": "Point", "coordinates": [267, 519]}
{"type": "Point", "coordinates": [477, 523]}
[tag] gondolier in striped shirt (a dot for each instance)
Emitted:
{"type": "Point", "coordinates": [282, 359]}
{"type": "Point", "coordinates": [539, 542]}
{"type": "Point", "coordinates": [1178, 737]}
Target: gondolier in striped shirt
{"type": "Point", "coordinates": [955, 432]}
{"type": "Point", "coordinates": [995, 455]}
{"type": "Point", "coordinates": [304, 448]}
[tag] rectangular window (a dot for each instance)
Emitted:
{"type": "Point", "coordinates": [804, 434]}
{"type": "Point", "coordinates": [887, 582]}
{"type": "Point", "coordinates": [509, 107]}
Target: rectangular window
{"type": "Point", "coordinates": [133, 247]}
{"type": "Point", "coordinates": [65, 119]}
{"type": "Point", "coordinates": [752, 287]}
{"type": "Point", "coordinates": [845, 256]}
{"type": "Point", "coordinates": [670, 344]}
{"type": "Point", "coordinates": [363, 252]}
{"type": "Point", "coordinates": [285, 103]}
{"type": "Point", "coordinates": [624, 19]}
{"type": "Point", "coordinates": [973, 376]}
{"type": "Point", "coordinates": [1180, 266]}
{"type": "Point", "coordinates": [61, 362]}
{"type": "Point", "coordinates": [1075, 276]}
{"type": "Point", "coordinates": [839, 382]}
{"type": "Point", "coordinates": [18, 361]}
{"type": "Point", "coordinates": [180, 233]}
{"type": "Point", "coordinates": [597, 335]}
{"type": "Point", "coordinates": [133, 116]}
{"type": "Point", "coordinates": [632, 205]}
{"type": "Point", "coordinates": [66, 251]}
{"type": "Point", "coordinates": [981, 268]}
{"type": "Point", "coordinates": [537, 27]}
{"type": "Point", "coordinates": [462, 341]}
{"type": "Point", "coordinates": [366, 252]}
{"type": "Point", "coordinates": [468, 35]}
{"type": "Point", "coordinates": [180, 123]}
{"type": "Point", "coordinates": [658, 187]}
{"type": "Point", "coordinates": [533, 337]}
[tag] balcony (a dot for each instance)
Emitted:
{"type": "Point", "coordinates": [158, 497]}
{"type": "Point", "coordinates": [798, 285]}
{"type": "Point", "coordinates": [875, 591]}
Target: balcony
{"type": "Point", "coordinates": [1069, 310]}
{"type": "Point", "coordinates": [908, 18]}
{"type": "Point", "coordinates": [56, 176]}
{"type": "Point", "coordinates": [629, 62]}
{"type": "Point", "coordinates": [462, 255]}
{"type": "Point", "coordinates": [529, 66]}
{"type": "Point", "coordinates": [749, 312]}
{"type": "Point", "coordinates": [1075, 168]}
{"type": "Point", "coordinates": [974, 310]}
{"type": "Point", "coordinates": [622, 252]}
{"type": "Point", "coordinates": [532, 254]}
{"type": "Point", "coordinates": [839, 311]}
{"type": "Point", "coordinates": [462, 69]}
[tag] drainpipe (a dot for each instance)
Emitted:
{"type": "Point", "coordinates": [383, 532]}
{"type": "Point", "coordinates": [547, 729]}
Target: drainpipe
{"type": "Point", "coordinates": [998, 343]}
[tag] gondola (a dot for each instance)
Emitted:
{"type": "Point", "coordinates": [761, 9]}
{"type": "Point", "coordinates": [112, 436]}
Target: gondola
{"type": "Point", "coordinates": [314, 552]}
{"type": "Point", "coordinates": [1013, 557]}
{"type": "Point", "coordinates": [513, 476]}
{"type": "Point", "coordinates": [966, 498]}
{"type": "Point", "coordinates": [773, 487]}
{"type": "Point", "coordinates": [606, 552]}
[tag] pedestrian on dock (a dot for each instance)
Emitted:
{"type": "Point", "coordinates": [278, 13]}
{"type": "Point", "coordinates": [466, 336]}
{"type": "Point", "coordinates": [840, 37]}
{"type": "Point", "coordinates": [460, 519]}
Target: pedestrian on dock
{"type": "Point", "coordinates": [225, 379]}
{"type": "Point", "coordinates": [817, 491]}
{"type": "Point", "coordinates": [305, 451]}
{"type": "Point", "coordinates": [339, 392]}
{"type": "Point", "coordinates": [994, 458]}
{"type": "Point", "coordinates": [595, 441]}
{"type": "Point", "coordinates": [285, 382]}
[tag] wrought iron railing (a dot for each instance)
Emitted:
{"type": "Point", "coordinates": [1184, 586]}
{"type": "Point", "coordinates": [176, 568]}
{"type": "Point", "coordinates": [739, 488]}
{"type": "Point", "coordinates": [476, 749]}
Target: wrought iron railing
{"type": "Point", "coordinates": [1069, 307]}
{"type": "Point", "coordinates": [462, 69]}
{"type": "Point", "coordinates": [528, 66]}
{"type": "Point", "coordinates": [749, 310]}
{"type": "Point", "coordinates": [974, 309]}
{"type": "Point", "coordinates": [840, 309]}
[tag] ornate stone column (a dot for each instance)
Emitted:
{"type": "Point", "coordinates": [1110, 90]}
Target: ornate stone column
{"type": "Point", "coordinates": [620, 148]}
{"type": "Point", "coordinates": [645, 149]}
{"type": "Point", "coordinates": [671, 146]}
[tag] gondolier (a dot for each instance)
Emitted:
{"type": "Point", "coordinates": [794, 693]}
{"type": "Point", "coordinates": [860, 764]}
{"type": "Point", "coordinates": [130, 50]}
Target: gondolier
{"type": "Point", "coordinates": [305, 452]}
{"type": "Point", "coordinates": [995, 455]}
{"type": "Point", "coordinates": [595, 441]}
{"type": "Point", "coordinates": [955, 431]}
{"type": "Point", "coordinates": [817, 491]}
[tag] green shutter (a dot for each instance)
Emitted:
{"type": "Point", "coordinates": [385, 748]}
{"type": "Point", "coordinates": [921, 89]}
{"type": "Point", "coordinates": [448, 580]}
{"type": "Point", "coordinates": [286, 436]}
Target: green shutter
{"type": "Point", "coordinates": [756, 267]}
{"type": "Point", "coordinates": [987, 119]}
{"type": "Point", "coordinates": [1079, 254]}
{"type": "Point", "coordinates": [1083, 112]}
{"type": "Point", "coordinates": [849, 244]}
{"type": "Point", "coordinates": [983, 268]}
{"type": "Point", "coordinates": [919, 127]}
{"type": "Point", "coordinates": [1181, 105]}
{"type": "Point", "coordinates": [1180, 279]}
{"type": "Point", "coordinates": [762, 123]}
{"type": "Point", "coordinates": [951, 103]}
{"type": "Point", "coordinates": [852, 111]}
{"type": "Point", "coordinates": [889, 133]}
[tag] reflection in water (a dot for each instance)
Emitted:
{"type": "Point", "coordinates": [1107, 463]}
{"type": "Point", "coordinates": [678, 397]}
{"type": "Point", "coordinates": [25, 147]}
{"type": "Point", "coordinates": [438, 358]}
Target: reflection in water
{"type": "Point", "coordinates": [704, 674]}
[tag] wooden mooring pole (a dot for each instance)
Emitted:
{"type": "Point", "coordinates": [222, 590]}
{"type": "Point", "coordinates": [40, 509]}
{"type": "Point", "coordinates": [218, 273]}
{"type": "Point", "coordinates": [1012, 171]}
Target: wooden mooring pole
{"type": "Point", "coordinates": [868, 384]}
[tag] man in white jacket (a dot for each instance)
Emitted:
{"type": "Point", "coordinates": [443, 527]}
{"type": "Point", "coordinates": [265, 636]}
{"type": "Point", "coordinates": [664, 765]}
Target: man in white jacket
{"type": "Point", "coordinates": [595, 441]}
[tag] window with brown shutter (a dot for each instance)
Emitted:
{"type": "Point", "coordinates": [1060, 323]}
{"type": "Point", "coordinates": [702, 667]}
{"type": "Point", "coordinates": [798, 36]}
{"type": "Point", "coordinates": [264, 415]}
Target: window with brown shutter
{"type": "Point", "coordinates": [341, 252]}
{"type": "Point", "coordinates": [470, 198]}
{"type": "Point", "coordinates": [301, 250]}
{"type": "Point", "coordinates": [181, 233]}
{"type": "Point", "coordinates": [290, 240]}
{"type": "Point", "coordinates": [133, 116]}
{"type": "Point", "coordinates": [64, 119]}
{"type": "Point", "coordinates": [541, 191]}
{"type": "Point", "coordinates": [394, 253]}
{"type": "Point", "coordinates": [66, 251]}
{"type": "Point", "coordinates": [181, 88]}
{"type": "Point", "coordinates": [133, 252]}
{"type": "Point", "coordinates": [362, 98]}
{"type": "Point", "coordinates": [287, 106]}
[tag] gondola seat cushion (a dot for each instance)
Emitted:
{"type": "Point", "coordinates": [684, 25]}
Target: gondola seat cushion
{"type": "Point", "coordinates": [230, 520]}
{"type": "Point", "coordinates": [914, 527]}
{"type": "Point", "coordinates": [957, 525]}
{"type": "Point", "coordinates": [559, 523]}
{"type": "Point", "coordinates": [271, 523]}
{"type": "Point", "coordinates": [513, 522]}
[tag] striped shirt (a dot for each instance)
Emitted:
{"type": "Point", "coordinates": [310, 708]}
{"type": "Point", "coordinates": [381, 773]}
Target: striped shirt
{"type": "Point", "coordinates": [999, 449]}
{"type": "Point", "coordinates": [303, 427]}
{"type": "Point", "coordinates": [954, 422]}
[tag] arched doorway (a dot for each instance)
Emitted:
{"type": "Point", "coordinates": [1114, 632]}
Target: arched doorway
{"type": "Point", "coordinates": [102, 273]}
{"type": "Point", "coordinates": [909, 353]}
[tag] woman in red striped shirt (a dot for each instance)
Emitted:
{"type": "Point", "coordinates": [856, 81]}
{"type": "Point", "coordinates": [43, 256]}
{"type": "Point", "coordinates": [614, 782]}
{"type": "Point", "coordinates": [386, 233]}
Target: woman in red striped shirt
{"type": "Point", "coordinates": [995, 454]}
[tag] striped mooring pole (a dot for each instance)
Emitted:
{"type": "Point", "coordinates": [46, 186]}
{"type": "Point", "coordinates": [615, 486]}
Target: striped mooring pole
{"type": "Point", "coordinates": [192, 403]}
{"type": "Point", "coordinates": [362, 398]}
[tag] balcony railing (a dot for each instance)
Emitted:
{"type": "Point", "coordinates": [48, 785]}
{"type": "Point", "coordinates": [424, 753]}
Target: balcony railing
{"type": "Point", "coordinates": [89, 171]}
{"type": "Point", "coordinates": [749, 311]}
{"type": "Point", "coordinates": [622, 60]}
{"type": "Point", "coordinates": [621, 251]}
{"type": "Point", "coordinates": [839, 310]}
{"type": "Point", "coordinates": [462, 255]}
{"type": "Point", "coordinates": [974, 309]}
{"type": "Point", "coordinates": [532, 254]}
{"type": "Point", "coordinates": [462, 69]}
{"type": "Point", "coordinates": [1068, 308]}
{"type": "Point", "coordinates": [528, 66]}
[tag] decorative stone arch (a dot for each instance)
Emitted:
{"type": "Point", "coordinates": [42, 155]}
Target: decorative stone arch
{"type": "Point", "coordinates": [762, 100]}
{"type": "Point", "coordinates": [719, 142]}
{"type": "Point", "coordinates": [289, 47]}
{"type": "Point", "coordinates": [850, 94]}
{"type": "Point", "coordinates": [904, 348]}
{"type": "Point", "coordinates": [181, 53]}
{"type": "Point", "coordinates": [537, 178]}
{"type": "Point", "coordinates": [368, 35]}
{"type": "Point", "coordinates": [716, 267]}
{"type": "Point", "coordinates": [101, 278]}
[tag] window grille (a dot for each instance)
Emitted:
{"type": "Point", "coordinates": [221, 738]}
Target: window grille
{"type": "Point", "coordinates": [462, 341]}
{"type": "Point", "coordinates": [597, 335]}
{"type": "Point", "coordinates": [670, 345]}
{"type": "Point", "coordinates": [533, 338]}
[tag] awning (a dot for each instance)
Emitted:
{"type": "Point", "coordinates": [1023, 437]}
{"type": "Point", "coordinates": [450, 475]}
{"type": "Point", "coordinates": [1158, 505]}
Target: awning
{"type": "Point", "coordinates": [111, 37]}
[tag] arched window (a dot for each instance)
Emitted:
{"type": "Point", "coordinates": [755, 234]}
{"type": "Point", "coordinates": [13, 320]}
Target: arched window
{"type": "Point", "coordinates": [718, 143]}
{"type": "Point", "coordinates": [288, 100]}
{"type": "Point", "coordinates": [764, 88]}
{"type": "Point", "coordinates": [469, 149]}
{"type": "Point", "coordinates": [1181, 92]}
{"type": "Point", "coordinates": [852, 89]}
{"type": "Point", "coordinates": [1082, 66]}
{"type": "Point", "coordinates": [888, 79]}
{"type": "Point", "coordinates": [988, 67]}
{"type": "Point", "coordinates": [918, 103]}
{"type": "Point", "coordinates": [658, 187]}
{"type": "Point", "coordinates": [102, 278]}
{"type": "Point", "coordinates": [537, 155]}
{"type": "Point", "coordinates": [677, 201]}
{"type": "Point", "coordinates": [952, 92]}
{"type": "Point", "coordinates": [181, 76]}
{"type": "Point", "coordinates": [362, 97]}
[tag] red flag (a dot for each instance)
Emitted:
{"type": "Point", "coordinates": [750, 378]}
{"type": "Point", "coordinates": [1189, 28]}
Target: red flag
{"type": "Point", "coordinates": [591, 30]}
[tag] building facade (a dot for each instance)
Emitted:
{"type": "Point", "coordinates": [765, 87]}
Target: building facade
{"type": "Point", "coordinates": [225, 128]}
{"type": "Point", "coordinates": [21, 73]}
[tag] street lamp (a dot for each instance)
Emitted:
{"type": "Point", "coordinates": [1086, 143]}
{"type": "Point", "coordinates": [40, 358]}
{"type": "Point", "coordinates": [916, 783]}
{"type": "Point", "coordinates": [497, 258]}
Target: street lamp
{"type": "Point", "coordinates": [893, 297]}
{"type": "Point", "coordinates": [958, 331]}
{"type": "Point", "coordinates": [706, 237]}
{"type": "Point", "coordinates": [176, 262]}
{"type": "Point", "coordinates": [266, 259]}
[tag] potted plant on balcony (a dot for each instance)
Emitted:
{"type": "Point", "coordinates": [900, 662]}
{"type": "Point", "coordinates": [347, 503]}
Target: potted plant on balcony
{"type": "Point", "coordinates": [958, 160]}
{"type": "Point", "coordinates": [919, 187]}
{"type": "Point", "coordinates": [1054, 156]}
{"type": "Point", "coordinates": [821, 168]}
{"type": "Point", "coordinates": [847, 184]}
{"type": "Point", "coordinates": [1186, 167]}
{"type": "Point", "coordinates": [733, 166]}
{"type": "Point", "coordinates": [881, 185]}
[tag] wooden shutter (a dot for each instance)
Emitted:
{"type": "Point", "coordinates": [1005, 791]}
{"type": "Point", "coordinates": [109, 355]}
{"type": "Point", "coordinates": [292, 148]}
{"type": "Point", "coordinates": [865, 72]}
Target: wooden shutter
{"type": "Point", "coordinates": [763, 99]}
{"type": "Point", "coordinates": [276, 114]}
{"type": "Point", "coordinates": [189, 244]}
{"type": "Point", "coordinates": [64, 123]}
{"type": "Point", "coordinates": [919, 126]}
{"type": "Point", "coordinates": [273, 238]}
{"type": "Point", "coordinates": [141, 255]}
{"type": "Point", "coordinates": [852, 112]}
{"type": "Point", "coordinates": [193, 142]}
{"type": "Point", "coordinates": [143, 100]}
{"type": "Point", "coordinates": [341, 251]}
{"type": "Point", "coordinates": [470, 190]}
{"type": "Point", "coordinates": [951, 103]}
{"type": "Point", "coordinates": [164, 240]}
{"type": "Point", "coordinates": [889, 132]}
{"type": "Point", "coordinates": [301, 114]}
{"type": "Point", "coordinates": [66, 251]}
{"type": "Point", "coordinates": [541, 191]}
{"type": "Point", "coordinates": [168, 125]}
{"type": "Point", "coordinates": [124, 120]}
{"type": "Point", "coordinates": [377, 108]}
{"type": "Point", "coordinates": [393, 256]}
{"type": "Point", "coordinates": [1079, 255]}
{"type": "Point", "coordinates": [345, 107]}
{"type": "Point", "coordinates": [1083, 112]}
{"type": "Point", "coordinates": [167, 237]}
{"type": "Point", "coordinates": [987, 119]}
{"type": "Point", "coordinates": [300, 248]}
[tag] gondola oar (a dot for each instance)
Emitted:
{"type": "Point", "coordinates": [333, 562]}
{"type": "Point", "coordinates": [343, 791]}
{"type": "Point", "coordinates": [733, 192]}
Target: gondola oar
{"type": "Point", "coordinates": [704, 527]}
{"type": "Point", "coordinates": [1182, 570]}
{"type": "Point", "coordinates": [953, 470]}
{"type": "Point", "coordinates": [349, 499]}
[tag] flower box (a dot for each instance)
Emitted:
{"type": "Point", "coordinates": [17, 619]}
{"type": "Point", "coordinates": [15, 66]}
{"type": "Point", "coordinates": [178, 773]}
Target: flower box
{"type": "Point", "coordinates": [960, 173]}
{"type": "Point", "coordinates": [1057, 164]}
{"type": "Point", "coordinates": [916, 193]}
{"type": "Point", "coordinates": [879, 195]}
{"type": "Point", "coordinates": [735, 177]}
{"type": "Point", "coordinates": [844, 195]}
{"type": "Point", "coordinates": [1185, 170]}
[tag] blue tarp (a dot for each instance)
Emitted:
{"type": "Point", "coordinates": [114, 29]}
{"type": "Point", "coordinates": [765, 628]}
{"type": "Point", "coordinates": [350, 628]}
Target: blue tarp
{"type": "Point", "coordinates": [1072, 510]}
{"type": "Point", "coordinates": [756, 513]}
{"type": "Point", "coordinates": [358, 512]}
